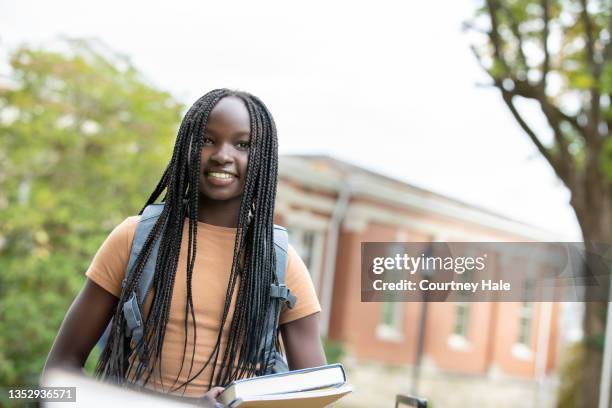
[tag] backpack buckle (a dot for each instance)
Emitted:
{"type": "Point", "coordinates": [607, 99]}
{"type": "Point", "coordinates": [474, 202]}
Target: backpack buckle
{"type": "Point", "coordinates": [281, 291]}
{"type": "Point", "coordinates": [133, 318]}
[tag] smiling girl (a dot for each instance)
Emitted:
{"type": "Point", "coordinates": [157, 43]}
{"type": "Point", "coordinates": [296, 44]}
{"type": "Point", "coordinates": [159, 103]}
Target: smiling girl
{"type": "Point", "coordinates": [213, 271]}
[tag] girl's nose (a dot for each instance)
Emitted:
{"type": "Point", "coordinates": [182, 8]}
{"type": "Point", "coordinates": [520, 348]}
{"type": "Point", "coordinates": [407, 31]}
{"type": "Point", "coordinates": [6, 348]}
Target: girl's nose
{"type": "Point", "coordinates": [222, 155]}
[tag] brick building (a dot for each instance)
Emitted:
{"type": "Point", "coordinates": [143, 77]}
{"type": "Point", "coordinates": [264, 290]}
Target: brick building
{"type": "Point", "coordinates": [330, 207]}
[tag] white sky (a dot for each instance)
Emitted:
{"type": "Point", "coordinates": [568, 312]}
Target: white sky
{"type": "Point", "coordinates": [387, 85]}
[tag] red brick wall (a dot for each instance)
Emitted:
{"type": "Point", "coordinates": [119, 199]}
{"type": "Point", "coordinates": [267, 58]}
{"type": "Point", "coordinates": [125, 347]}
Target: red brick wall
{"type": "Point", "coordinates": [492, 332]}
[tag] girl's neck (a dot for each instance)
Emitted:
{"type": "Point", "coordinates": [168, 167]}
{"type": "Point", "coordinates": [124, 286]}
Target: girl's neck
{"type": "Point", "coordinates": [219, 213]}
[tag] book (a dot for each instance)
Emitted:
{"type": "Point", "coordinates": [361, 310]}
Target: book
{"type": "Point", "coordinates": [310, 387]}
{"type": "Point", "coordinates": [305, 399]}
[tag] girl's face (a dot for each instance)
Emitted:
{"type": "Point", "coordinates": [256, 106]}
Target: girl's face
{"type": "Point", "coordinates": [225, 150]}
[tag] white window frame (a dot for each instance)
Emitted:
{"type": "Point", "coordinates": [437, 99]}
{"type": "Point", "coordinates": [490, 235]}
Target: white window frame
{"type": "Point", "coordinates": [297, 228]}
{"type": "Point", "coordinates": [525, 321]}
{"type": "Point", "coordinates": [391, 331]}
{"type": "Point", "coordinates": [464, 324]}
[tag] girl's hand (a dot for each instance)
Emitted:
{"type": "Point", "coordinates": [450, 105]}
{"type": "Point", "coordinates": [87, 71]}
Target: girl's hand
{"type": "Point", "coordinates": [210, 398]}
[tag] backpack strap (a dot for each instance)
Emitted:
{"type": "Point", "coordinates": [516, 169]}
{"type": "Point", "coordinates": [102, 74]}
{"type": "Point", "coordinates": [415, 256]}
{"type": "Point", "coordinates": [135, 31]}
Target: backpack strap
{"type": "Point", "coordinates": [281, 293]}
{"type": "Point", "coordinates": [133, 307]}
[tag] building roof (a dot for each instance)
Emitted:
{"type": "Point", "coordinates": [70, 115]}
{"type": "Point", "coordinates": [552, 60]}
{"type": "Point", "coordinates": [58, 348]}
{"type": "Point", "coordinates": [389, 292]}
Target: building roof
{"type": "Point", "coordinates": [333, 174]}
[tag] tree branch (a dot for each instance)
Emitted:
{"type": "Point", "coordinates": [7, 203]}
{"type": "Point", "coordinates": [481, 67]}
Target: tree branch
{"type": "Point", "coordinates": [507, 97]}
{"type": "Point", "coordinates": [527, 90]}
{"type": "Point", "coordinates": [467, 25]}
{"type": "Point", "coordinates": [608, 47]}
{"type": "Point", "coordinates": [593, 127]}
{"type": "Point", "coordinates": [514, 27]}
{"type": "Point", "coordinates": [545, 33]}
{"type": "Point", "coordinates": [588, 30]}
{"type": "Point", "coordinates": [607, 58]}
{"type": "Point", "coordinates": [563, 163]}
{"type": "Point", "coordinates": [494, 33]}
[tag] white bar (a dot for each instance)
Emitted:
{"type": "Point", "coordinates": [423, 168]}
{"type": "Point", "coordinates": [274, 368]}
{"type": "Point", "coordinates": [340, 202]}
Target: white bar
{"type": "Point", "coordinates": [606, 367]}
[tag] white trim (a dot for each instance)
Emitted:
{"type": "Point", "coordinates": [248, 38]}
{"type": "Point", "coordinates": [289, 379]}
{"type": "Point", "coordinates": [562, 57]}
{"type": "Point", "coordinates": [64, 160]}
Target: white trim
{"type": "Point", "coordinates": [541, 357]}
{"type": "Point", "coordinates": [331, 252]}
{"type": "Point", "coordinates": [353, 223]}
{"type": "Point", "coordinates": [458, 342]}
{"type": "Point", "coordinates": [289, 195]}
{"type": "Point", "coordinates": [389, 333]}
{"type": "Point", "coordinates": [298, 170]}
{"type": "Point", "coordinates": [306, 220]}
{"type": "Point", "coordinates": [451, 209]}
{"type": "Point", "coordinates": [359, 214]}
{"type": "Point", "coordinates": [317, 261]}
{"type": "Point", "coordinates": [316, 256]}
{"type": "Point", "coordinates": [606, 367]}
{"type": "Point", "coordinates": [522, 352]}
{"type": "Point", "coordinates": [282, 207]}
{"type": "Point", "coordinates": [401, 236]}
{"type": "Point", "coordinates": [407, 196]}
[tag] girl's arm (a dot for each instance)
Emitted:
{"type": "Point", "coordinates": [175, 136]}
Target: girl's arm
{"type": "Point", "coordinates": [82, 327]}
{"type": "Point", "coordinates": [302, 342]}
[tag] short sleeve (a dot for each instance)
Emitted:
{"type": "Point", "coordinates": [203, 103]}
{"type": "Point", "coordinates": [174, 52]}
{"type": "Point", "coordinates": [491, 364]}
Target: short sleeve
{"type": "Point", "coordinates": [299, 282]}
{"type": "Point", "coordinates": [110, 262]}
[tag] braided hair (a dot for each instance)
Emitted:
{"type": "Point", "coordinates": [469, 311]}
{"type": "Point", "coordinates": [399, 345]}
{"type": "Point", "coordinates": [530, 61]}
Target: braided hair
{"type": "Point", "coordinates": [253, 269]}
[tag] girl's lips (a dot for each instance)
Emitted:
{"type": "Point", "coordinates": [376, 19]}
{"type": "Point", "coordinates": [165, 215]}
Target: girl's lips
{"type": "Point", "coordinates": [220, 179]}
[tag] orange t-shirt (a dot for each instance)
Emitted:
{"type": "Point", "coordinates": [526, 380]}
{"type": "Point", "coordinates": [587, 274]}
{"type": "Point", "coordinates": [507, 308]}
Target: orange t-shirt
{"type": "Point", "coordinates": [215, 248]}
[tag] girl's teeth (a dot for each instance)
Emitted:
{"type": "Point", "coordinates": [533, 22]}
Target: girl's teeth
{"type": "Point", "coordinates": [220, 175]}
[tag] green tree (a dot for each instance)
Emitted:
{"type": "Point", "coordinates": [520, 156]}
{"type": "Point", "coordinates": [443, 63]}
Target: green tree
{"type": "Point", "coordinates": [558, 54]}
{"type": "Point", "coordinates": [83, 140]}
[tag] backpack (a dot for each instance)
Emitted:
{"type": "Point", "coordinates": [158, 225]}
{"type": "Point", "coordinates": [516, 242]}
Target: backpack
{"type": "Point", "coordinates": [133, 308]}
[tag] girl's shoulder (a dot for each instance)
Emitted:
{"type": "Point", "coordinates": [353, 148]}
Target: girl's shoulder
{"type": "Point", "coordinates": [126, 229]}
{"type": "Point", "coordinates": [107, 268]}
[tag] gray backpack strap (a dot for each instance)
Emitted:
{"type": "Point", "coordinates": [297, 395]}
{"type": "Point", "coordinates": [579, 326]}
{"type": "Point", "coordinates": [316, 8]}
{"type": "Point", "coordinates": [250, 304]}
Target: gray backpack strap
{"type": "Point", "coordinates": [280, 292]}
{"type": "Point", "coordinates": [133, 307]}
{"type": "Point", "coordinates": [281, 244]}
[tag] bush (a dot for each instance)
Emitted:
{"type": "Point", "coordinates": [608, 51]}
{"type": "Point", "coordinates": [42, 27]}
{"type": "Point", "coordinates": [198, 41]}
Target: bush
{"type": "Point", "coordinates": [334, 351]}
{"type": "Point", "coordinates": [570, 374]}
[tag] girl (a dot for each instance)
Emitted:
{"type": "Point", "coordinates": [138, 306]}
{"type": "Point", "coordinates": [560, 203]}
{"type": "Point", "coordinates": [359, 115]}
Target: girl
{"type": "Point", "coordinates": [214, 267]}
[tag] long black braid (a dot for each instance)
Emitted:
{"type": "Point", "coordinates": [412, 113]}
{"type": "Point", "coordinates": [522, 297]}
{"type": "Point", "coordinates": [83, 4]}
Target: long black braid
{"type": "Point", "coordinates": [253, 265]}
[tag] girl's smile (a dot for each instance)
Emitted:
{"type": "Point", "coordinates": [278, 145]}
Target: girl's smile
{"type": "Point", "coordinates": [220, 178]}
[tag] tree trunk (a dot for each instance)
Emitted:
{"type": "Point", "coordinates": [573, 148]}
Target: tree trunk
{"type": "Point", "coordinates": [588, 393]}
{"type": "Point", "coordinates": [594, 321]}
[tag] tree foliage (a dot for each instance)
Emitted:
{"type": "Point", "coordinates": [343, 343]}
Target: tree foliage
{"type": "Point", "coordinates": [558, 53]}
{"type": "Point", "coordinates": [83, 140]}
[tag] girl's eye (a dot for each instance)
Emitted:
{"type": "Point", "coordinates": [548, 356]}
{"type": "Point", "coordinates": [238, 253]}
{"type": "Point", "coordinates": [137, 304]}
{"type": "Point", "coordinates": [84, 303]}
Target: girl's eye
{"type": "Point", "coordinates": [243, 145]}
{"type": "Point", "coordinates": [208, 141]}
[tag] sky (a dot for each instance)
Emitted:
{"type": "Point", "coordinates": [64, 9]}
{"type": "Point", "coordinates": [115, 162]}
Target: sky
{"type": "Point", "coordinates": [390, 86]}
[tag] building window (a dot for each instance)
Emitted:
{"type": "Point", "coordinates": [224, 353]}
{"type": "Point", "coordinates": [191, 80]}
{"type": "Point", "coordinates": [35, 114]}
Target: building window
{"type": "Point", "coordinates": [309, 246]}
{"type": "Point", "coordinates": [392, 311]}
{"type": "Point", "coordinates": [390, 326]}
{"type": "Point", "coordinates": [462, 319]}
{"type": "Point", "coordinates": [525, 318]}
{"type": "Point", "coordinates": [526, 312]}
{"type": "Point", "coordinates": [462, 310]}
{"type": "Point", "coordinates": [390, 315]}
{"type": "Point", "coordinates": [303, 241]}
